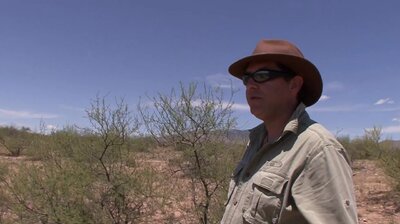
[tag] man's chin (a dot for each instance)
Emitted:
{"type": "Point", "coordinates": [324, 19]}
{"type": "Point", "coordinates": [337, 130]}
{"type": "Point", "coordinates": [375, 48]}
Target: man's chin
{"type": "Point", "coordinates": [257, 114]}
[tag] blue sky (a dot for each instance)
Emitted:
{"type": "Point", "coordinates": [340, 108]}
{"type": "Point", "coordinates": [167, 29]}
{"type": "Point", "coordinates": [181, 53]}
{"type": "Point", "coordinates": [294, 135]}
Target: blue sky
{"type": "Point", "coordinates": [57, 55]}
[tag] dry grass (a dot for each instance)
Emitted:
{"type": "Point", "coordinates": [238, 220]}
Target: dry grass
{"type": "Point", "coordinates": [376, 200]}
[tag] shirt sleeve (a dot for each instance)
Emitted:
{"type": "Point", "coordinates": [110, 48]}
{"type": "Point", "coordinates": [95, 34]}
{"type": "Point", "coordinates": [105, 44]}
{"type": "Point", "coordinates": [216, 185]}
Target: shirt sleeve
{"type": "Point", "coordinates": [324, 192]}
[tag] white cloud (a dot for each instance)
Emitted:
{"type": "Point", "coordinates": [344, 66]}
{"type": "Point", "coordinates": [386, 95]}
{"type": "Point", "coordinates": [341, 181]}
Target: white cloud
{"type": "Point", "coordinates": [396, 119]}
{"type": "Point", "coordinates": [352, 108]}
{"type": "Point", "coordinates": [51, 128]}
{"type": "Point", "coordinates": [324, 98]}
{"type": "Point", "coordinates": [148, 103]}
{"type": "Point", "coordinates": [46, 129]}
{"type": "Point", "coordinates": [225, 86]}
{"type": "Point", "coordinates": [391, 129]}
{"type": "Point", "coordinates": [223, 81]}
{"type": "Point", "coordinates": [384, 101]}
{"type": "Point", "coordinates": [380, 109]}
{"type": "Point", "coordinates": [197, 103]}
{"type": "Point", "coordinates": [235, 106]}
{"type": "Point", "coordinates": [339, 108]}
{"type": "Point", "coordinates": [25, 114]}
{"type": "Point", "coordinates": [240, 107]}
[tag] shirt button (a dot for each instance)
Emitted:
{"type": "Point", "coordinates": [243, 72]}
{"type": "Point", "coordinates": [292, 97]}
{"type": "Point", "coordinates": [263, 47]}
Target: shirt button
{"type": "Point", "coordinates": [235, 203]}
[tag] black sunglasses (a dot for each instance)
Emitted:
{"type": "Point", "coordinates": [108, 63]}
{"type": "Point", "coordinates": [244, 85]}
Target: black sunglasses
{"type": "Point", "coordinates": [264, 75]}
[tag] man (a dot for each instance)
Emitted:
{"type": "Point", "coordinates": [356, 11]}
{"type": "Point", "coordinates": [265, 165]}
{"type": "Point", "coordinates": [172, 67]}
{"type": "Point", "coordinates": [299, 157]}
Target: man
{"type": "Point", "coordinates": [293, 170]}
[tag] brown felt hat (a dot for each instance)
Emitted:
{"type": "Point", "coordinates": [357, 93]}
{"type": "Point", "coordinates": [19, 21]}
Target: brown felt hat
{"type": "Point", "coordinates": [287, 54]}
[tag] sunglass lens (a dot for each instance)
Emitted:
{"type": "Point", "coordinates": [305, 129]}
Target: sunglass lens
{"type": "Point", "coordinates": [261, 76]}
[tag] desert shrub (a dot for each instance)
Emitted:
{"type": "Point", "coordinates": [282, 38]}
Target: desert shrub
{"type": "Point", "coordinates": [51, 194]}
{"type": "Point", "coordinates": [390, 160]}
{"type": "Point", "coordinates": [217, 161]}
{"type": "Point", "coordinates": [226, 156]}
{"type": "Point", "coordinates": [128, 192]}
{"type": "Point", "coordinates": [195, 122]}
{"type": "Point", "coordinates": [57, 145]}
{"type": "Point", "coordinates": [368, 146]}
{"type": "Point", "coordinates": [142, 143]}
{"type": "Point", "coordinates": [86, 177]}
{"type": "Point", "coordinates": [14, 140]}
{"type": "Point", "coordinates": [371, 146]}
{"type": "Point", "coordinates": [355, 147]}
{"type": "Point", "coordinates": [372, 142]}
{"type": "Point", "coordinates": [76, 193]}
{"type": "Point", "coordinates": [4, 197]}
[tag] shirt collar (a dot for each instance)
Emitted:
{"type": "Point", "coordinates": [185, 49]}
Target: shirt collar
{"type": "Point", "coordinates": [298, 115]}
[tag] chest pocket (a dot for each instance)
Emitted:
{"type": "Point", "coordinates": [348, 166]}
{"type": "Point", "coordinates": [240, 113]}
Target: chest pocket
{"type": "Point", "coordinates": [266, 202]}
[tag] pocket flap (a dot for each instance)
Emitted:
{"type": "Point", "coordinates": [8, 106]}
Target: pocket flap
{"type": "Point", "coordinates": [270, 181]}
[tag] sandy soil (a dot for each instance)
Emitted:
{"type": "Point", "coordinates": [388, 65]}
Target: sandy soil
{"type": "Point", "coordinates": [376, 202]}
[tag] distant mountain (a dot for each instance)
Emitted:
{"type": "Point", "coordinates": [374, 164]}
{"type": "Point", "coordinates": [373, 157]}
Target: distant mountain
{"type": "Point", "coordinates": [238, 135]}
{"type": "Point", "coordinates": [243, 136]}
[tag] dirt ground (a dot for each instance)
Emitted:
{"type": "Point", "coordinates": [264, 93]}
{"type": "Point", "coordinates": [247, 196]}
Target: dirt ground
{"type": "Point", "coordinates": [376, 202]}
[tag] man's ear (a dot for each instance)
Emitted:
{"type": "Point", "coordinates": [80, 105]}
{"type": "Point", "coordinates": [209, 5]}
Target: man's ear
{"type": "Point", "coordinates": [296, 83]}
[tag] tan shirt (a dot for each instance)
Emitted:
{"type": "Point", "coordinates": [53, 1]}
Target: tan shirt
{"type": "Point", "coordinates": [302, 177]}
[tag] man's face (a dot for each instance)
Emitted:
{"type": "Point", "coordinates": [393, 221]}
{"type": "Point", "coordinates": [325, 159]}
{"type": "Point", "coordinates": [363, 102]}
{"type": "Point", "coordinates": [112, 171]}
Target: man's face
{"type": "Point", "coordinates": [270, 99]}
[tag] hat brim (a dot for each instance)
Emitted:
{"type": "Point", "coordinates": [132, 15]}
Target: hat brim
{"type": "Point", "coordinates": [312, 85]}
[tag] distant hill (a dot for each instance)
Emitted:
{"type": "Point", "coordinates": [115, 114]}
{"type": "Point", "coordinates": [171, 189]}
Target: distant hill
{"type": "Point", "coordinates": [243, 135]}
{"type": "Point", "coordinates": [238, 135]}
